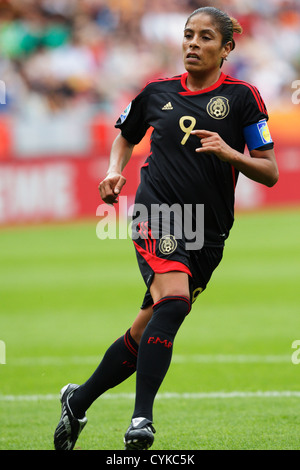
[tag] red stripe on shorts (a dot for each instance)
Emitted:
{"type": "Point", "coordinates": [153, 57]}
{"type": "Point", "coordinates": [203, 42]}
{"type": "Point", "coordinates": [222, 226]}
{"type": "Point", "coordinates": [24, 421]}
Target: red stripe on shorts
{"type": "Point", "coordinates": [160, 265]}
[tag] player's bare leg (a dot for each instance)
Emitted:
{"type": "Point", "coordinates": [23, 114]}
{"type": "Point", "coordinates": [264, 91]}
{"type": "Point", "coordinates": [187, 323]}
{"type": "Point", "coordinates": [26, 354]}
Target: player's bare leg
{"type": "Point", "coordinates": [140, 323]}
{"type": "Point", "coordinates": [169, 284]}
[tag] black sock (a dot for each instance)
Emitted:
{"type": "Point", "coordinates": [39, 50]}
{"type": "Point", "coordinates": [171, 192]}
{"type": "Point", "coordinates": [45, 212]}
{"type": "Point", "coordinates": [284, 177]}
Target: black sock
{"type": "Point", "coordinates": [155, 351]}
{"type": "Point", "coordinates": [118, 363]}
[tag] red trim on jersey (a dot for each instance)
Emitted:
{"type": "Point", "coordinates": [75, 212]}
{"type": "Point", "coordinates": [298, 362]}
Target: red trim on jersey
{"type": "Point", "coordinates": [233, 176]}
{"type": "Point", "coordinates": [188, 92]}
{"type": "Point", "coordinates": [234, 81]}
{"type": "Point", "coordinates": [160, 265]}
{"type": "Point", "coordinates": [145, 164]}
{"type": "Point", "coordinates": [157, 80]}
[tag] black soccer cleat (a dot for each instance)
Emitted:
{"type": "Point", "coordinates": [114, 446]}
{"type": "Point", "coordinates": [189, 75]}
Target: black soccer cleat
{"type": "Point", "coordinates": [139, 435]}
{"type": "Point", "coordinates": [69, 427]}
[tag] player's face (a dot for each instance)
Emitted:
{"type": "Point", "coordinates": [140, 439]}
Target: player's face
{"type": "Point", "coordinates": [202, 45]}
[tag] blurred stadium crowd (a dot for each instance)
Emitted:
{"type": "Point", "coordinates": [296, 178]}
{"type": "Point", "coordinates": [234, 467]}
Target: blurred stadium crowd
{"type": "Point", "coordinates": [95, 55]}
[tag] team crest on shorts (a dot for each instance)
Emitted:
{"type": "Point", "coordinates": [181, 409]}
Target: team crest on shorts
{"type": "Point", "coordinates": [218, 107]}
{"type": "Point", "coordinates": [167, 244]}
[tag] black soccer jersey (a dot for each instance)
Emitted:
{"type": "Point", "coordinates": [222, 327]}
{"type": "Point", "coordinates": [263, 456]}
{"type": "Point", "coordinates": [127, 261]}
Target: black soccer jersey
{"type": "Point", "coordinates": [174, 172]}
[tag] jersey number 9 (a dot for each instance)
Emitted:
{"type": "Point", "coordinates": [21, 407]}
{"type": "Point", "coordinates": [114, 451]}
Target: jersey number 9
{"type": "Point", "coordinates": [185, 129]}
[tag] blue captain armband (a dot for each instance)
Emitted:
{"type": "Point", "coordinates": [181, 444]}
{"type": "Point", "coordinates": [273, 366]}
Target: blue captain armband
{"type": "Point", "coordinates": [257, 135]}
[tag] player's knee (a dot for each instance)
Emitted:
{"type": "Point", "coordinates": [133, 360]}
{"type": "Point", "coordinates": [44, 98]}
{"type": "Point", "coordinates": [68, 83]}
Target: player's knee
{"type": "Point", "coordinates": [170, 284]}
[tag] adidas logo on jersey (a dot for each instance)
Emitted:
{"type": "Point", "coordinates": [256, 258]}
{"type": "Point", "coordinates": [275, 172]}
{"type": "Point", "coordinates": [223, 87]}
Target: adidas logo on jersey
{"type": "Point", "coordinates": [168, 107]}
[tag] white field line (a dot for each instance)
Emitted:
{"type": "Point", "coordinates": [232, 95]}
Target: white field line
{"type": "Point", "coordinates": [177, 359]}
{"type": "Point", "coordinates": [164, 396]}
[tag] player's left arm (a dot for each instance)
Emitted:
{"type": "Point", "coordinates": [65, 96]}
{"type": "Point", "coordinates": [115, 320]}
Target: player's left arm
{"type": "Point", "coordinates": [262, 167]}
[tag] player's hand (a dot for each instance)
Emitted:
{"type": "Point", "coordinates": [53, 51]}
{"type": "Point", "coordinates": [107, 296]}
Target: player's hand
{"type": "Point", "coordinates": [212, 143]}
{"type": "Point", "coordinates": [111, 187]}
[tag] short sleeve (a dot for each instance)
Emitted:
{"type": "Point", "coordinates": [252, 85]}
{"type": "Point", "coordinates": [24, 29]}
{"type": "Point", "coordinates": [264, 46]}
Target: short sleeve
{"type": "Point", "coordinates": [254, 108]}
{"type": "Point", "coordinates": [132, 121]}
{"type": "Point", "coordinates": [254, 119]}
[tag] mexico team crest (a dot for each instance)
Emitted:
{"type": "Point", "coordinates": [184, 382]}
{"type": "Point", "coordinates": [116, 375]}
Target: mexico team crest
{"type": "Point", "coordinates": [167, 245]}
{"type": "Point", "coordinates": [218, 107]}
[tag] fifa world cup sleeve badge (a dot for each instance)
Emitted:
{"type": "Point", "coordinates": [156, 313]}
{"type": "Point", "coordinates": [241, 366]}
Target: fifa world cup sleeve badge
{"type": "Point", "coordinates": [125, 114]}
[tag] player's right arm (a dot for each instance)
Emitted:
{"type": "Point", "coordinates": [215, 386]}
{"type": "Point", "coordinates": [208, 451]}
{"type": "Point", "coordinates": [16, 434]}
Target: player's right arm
{"type": "Point", "coordinates": [112, 185]}
{"type": "Point", "coordinates": [133, 126]}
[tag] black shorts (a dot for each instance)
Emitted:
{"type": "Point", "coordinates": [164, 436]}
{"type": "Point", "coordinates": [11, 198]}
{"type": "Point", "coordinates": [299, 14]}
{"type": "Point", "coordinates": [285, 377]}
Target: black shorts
{"type": "Point", "coordinates": [167, 254]}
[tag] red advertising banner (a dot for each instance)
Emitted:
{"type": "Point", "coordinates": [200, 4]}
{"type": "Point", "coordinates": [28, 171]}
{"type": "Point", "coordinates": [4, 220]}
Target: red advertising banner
{"type": "Point", "coordinates": [54, 189]}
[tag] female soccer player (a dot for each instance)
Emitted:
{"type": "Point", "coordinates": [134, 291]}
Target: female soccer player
{"type": "Point", "coordinates": [202, 121]}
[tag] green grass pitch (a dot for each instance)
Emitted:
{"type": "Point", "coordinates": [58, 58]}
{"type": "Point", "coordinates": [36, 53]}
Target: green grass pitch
{"type": "Point", "coordinates": [65, 296]}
